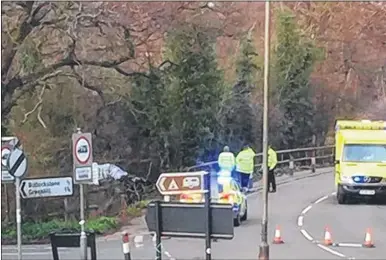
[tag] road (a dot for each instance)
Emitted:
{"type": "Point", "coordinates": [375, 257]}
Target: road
{"type": "Point", "coordinates": [302, 209]}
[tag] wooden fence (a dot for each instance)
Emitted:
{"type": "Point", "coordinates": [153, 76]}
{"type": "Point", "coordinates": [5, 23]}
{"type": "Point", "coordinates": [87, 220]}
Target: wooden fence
{"type": "Point", "coordinates": [290, 160]}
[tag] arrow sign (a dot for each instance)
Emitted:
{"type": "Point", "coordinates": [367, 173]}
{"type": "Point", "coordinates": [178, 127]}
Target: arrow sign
{"type": "Point", "coordinates": [181, 182]}
{"type": "Point", "coordinates": [47, 187]}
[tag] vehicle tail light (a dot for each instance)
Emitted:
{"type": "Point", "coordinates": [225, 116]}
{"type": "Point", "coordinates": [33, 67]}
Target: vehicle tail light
{"type": "Point", "coordinates": [184, 196]}
{"type": "Point", "coordinates": [227, 196]}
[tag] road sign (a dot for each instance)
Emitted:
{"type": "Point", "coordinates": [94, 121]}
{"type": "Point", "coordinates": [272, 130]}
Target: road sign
{"type": "Point", "coordinates": [180, 219]}
{"type": "Point", "coordinates": [17, 163]}
{"type": "Point", "coordinates": [82, 156]}
{"type": "Point", "coordinates": [185, 182]}
{"type": "Point", "coordinates": [47, 187]}
{"type": "Point", "coordinates": [5, 152]}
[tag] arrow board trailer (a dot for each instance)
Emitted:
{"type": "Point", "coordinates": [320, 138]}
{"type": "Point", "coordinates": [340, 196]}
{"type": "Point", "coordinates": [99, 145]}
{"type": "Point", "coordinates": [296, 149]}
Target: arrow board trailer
{"type": "Point", "coordinates": [181, 182]}
{"type": "Point", "coordinates": [47, 187]}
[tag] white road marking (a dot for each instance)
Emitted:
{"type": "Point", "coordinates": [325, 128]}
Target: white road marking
{"type": "Point", "coordinates": [28, 253]}
{"type": "Point", "coordinates": [321, 199]}
{"type": "Point", "coordinates": [348, 245]}
{"type": "Point", "coordinates": [306, 235]}
{"type": "Point", "coordinates": [309, 237]}
{"type": "Point", "coordinates": [331, 251]}
{"type": "Point", "coordinates": [300, 221]}
{"type": "Point", "coordinates": [306, 210]}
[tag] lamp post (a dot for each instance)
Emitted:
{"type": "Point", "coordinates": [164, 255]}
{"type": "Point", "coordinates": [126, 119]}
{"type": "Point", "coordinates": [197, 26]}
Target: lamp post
{"type": "Point", "coordinates": [264, 247]}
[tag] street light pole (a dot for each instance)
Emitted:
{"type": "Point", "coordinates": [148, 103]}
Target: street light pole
{"type": "Point", "coordinates": [264, 247]}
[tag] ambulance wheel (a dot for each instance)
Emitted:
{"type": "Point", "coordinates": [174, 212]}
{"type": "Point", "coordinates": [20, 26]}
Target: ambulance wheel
{"type": "Point", "coordinates": [341, 196]}
{"type": "Point", "coordinates": [244, 218]}
{"type": "Point", "coordinates": [237, 221]}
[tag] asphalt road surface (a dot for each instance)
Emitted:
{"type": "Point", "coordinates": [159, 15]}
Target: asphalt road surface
{"type": "Point", "coordinates": [302, 209]}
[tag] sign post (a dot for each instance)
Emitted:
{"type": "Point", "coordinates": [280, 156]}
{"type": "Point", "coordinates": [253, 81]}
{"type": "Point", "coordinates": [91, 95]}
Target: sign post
{"type": "Point", "coordinates": [187, 182]}
{"type": "Point", "coordinates": [46, 187]}
{"type": "Point", "coordinates": [83, 159]}
{"type": "Point", "coordinates": [208, 227]}
{"type": "Point", "coordinates": [17, 167]}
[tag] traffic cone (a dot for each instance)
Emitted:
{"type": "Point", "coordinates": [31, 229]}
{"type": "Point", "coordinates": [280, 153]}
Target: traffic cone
{"type": "Point", "coordinates": [277, 239]}
{"type": "Point", "coordinates": [327, 237]}
{"type": "Point", "coordinates": [368, 239]}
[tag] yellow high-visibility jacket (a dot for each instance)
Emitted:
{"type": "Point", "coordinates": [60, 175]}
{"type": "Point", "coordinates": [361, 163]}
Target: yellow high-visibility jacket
{"type": "Point", "coordinates": [245, 161]}
{"type": "Point", "coordinates": [226, 161]}
{"type": "Point", "coordinates": [272, 159]}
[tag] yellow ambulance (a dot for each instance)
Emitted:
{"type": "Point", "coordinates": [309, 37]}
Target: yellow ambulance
{"type": "Point", "coordinates": [360, 159]}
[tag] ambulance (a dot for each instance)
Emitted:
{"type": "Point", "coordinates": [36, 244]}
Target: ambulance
{"type": "Point", "coordinates": [360, 160]}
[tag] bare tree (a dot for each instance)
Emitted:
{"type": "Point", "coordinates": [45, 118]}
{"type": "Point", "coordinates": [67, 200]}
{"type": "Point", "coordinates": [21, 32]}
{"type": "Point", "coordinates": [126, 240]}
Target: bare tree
{"type": "Point", "coordinates": [45, 40]}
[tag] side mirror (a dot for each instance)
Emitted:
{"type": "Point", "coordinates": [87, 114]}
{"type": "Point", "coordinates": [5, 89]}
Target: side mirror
{"type": "Point", "coordinates": [337, 162]}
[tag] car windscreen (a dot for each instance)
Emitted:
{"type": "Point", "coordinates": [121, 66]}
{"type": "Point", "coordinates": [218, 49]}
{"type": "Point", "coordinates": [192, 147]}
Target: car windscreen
{"type": "Point", "coordinates": [364, 153]}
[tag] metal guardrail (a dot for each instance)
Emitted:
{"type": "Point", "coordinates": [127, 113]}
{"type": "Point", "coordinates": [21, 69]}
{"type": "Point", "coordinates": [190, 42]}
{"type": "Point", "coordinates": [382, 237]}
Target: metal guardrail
{"type": "Point", "coordinates": [310, 157]}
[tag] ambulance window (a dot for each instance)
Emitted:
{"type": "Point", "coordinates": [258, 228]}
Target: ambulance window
{"type": "Point", "coordinates": [364, 153]}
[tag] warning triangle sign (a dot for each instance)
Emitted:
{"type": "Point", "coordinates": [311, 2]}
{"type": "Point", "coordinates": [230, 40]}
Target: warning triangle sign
{"type": "Point", "coordinates": [173, 185]}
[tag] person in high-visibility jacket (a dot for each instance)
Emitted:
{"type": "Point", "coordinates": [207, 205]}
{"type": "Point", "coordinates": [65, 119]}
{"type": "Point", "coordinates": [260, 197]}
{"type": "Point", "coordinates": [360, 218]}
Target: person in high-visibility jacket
{"type": "Point", "coordinates": [226, 160]}
{"type": "Point", "coordinates": [245, 165]}
{"type": "Point", "coordinates": [272, 162]}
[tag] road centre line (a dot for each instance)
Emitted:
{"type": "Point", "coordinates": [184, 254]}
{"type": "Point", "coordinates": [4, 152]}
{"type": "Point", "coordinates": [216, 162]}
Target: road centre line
{"type": "Point", "coordinates": [321, 199]}
{"type": "Point", "coordinates": [332, 251]}
{"type": "Point", "coordinates": [300, 221]}
{"type": "Point", "coordinates": [310, 238]}
{"type": "Point", "coordinates": [306, 209]}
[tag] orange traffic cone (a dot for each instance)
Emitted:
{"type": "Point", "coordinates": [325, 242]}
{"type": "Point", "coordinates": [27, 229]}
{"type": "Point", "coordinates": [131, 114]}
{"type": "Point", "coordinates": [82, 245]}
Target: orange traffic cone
{"type": "Point", "coordinates": [368, 239]}
{"type": "Point", "coordinates": [327, 237]}
{"type": "Point", "coordinates": [277, 239]}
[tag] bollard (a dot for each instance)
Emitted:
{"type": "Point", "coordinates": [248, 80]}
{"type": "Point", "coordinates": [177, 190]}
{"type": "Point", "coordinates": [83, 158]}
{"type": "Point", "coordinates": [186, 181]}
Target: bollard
{"type": "Point", "coordinates": [313, 164]}
{"type": "Point", "coordinates": [291, 165]}
{"type": "Point", "coordinates": [126, 245]}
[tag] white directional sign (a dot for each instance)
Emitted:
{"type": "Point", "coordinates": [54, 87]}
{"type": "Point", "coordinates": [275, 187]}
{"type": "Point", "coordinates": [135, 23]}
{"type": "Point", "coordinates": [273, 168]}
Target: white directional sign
{"type": "Point", "coordinates": [181, 182]}
{"type": "Point", "coordinates": [82, 157]}
{"type": "Point", "coordinates": [5, 176]}
{"type": "Point", "coordinates": [17, 163]}
{"type": "Point", "coordinates": [47, 187]}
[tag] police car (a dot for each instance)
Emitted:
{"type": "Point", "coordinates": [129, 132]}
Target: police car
{"type": "Point", "coordinates": [229, 192]}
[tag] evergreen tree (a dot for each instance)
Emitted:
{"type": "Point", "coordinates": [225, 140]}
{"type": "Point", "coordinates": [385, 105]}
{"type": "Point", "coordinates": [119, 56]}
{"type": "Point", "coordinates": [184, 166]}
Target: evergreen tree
{"type": "Point", "coordinates": [150, 107]}
{"type": "Point", "coordinates": [240, 117]}
{"type": "Point", "coordinates": [295, 57]}
{"type": "Point", "coordinates": [196, 89]}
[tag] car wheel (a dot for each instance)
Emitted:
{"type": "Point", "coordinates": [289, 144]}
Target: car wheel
{"type": "Point", "coordinates": [341, 196]}
{"type": "Point", "coordinates": [237, 221]}
{"type": "Point", "coordinates": [245, 216]}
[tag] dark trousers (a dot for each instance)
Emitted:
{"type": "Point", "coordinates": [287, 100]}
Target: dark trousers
{"type": "Point", "coordinates": [271, 179]}
{"type": "Point", "coordinates": [244, 179]}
